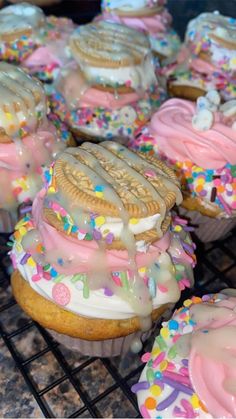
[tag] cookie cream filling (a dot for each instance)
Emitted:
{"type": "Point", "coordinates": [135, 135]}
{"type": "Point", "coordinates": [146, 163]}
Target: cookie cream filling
{"type": "Point", "coordinates": [139, 77]}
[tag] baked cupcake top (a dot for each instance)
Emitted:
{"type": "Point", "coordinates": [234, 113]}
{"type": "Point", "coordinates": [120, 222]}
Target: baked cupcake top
{"type": "Point", "coordinates": [22, 103]}
{"type": "Point", "coordinates": [20, 20]}
{"type": "Point", "coordinates": [212, 37]}
{"type": "Point", "coordinates": [144, 7]}
{"type": "Point", "coordinates": [100, 231]}
{"type": "Point", "coordinates": [113, 56]}
{"type": "Point", "coordinates": [202, 132]}
{"type": "Point", "coordinates": [190, 371]}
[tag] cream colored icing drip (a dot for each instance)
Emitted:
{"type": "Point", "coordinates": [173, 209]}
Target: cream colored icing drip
{"type": "Point", "coordinates": [128, 49]}
{"type": "Point", "coordinates": [89, 159]}
{"type": "Point", "coordinates": [22, 100]}
{"type": "Point", "coordinates": [20, 17]}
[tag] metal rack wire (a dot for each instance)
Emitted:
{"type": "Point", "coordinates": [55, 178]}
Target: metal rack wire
{"type": "Point", "coordinates": [66, 384]}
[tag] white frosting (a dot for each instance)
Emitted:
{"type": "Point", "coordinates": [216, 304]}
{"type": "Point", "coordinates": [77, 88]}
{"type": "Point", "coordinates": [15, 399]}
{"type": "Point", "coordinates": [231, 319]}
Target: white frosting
{"type": "Point", "coordinates": [115, 225]}
{"type": "Point", "coordinates": [22, 16]}
{"type": "Point", "coordinates": [139, 77]}
{"type": "Point", "coordinates": [98, 305]}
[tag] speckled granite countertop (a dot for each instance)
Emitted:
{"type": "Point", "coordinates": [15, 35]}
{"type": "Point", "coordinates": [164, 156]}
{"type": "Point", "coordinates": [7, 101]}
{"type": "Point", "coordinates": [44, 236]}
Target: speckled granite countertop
{"type": "Point", "coordinates": [68, 384]}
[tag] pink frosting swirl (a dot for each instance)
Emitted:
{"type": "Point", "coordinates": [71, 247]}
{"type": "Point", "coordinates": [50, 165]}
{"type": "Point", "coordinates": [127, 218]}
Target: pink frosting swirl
{"type": "Point", "coordinates": [171, 127]}
{"type": "Point", "coordinates": [212, 362]}
{"type": "Point", "coordinates": [149, 24]}
{"type": "Point", "coordinates": [81, 253]}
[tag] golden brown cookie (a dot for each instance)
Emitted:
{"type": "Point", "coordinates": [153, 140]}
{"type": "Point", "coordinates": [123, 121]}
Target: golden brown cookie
{"type": "Point", "coordinates": [195, 204]}
{"type": "Point", "coordinates": [20, 20]}
{"type": "Point", "coordinates": [107, 45]}
{"type": "Point", "coordinates": [78, 187]}
{"type": "Point", "coordinates": [145, 12]}
{"type": "Point", "coordinates": [184, 91]}
{"type": "Point", "coordinates": [51, 316]}
{"type": "Point", "coordinates": [22, 103]}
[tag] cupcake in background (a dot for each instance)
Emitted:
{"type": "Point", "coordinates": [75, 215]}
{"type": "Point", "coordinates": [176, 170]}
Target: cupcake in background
{"type": "Point", "coordinates": [198, 140]}
{"type": "Point", "coordinates": [111, 89]}
{"type": "Point", "coordinates": [147, 16]}
{"type": "Point", "coordinates": [207, 59]}
{"type": "Point", "coordinates": [28, 141]}
{"type": "Point", "coordinates": [100, 260]}
{"type": "Point", "coordinates": [37, 42]}
{"type": "Point", "coordinates": [191, 372]}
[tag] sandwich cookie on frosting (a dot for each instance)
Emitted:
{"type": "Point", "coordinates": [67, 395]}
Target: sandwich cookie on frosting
{"type": "Point", "coordinates": [28, 141]}
{"type": "Point", "coordinates": [191, 372]}
{"type": "Point", "coordinates": [37, 42]}
{"type": "Point", "coordinates": [112, 88]}
{"type": "Point", "coordinates": [100, 258]}
{"type": "Point", "coordinates": [199, 142]}
{"type": "Point", "coordinates": [150, 17]}
{"type": "Point", "coordinates": [207, 60]}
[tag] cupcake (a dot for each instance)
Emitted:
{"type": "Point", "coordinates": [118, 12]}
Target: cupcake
{"type": "Point", "coordinates": [207, 60]}
{"type": "Point", "coordinates": [150, 17]}
{"type": "Point", "coordinates": [27, 141]}
{"type": "Point", "coordinates": [99, 261]}
{"type": "Point", "coordinates": [198, 141]}
{"type": "Point", "coordinates": [112, 88]}
{"type": "Point", "coordinates": [190, 372]}
{"type": "Point", "coordinates": [37, 42]}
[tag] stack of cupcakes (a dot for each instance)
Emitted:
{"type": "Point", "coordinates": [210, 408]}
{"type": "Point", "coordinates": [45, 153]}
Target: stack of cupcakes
{"type": "Point", "coordinates": [207, 60]}
{"type": "Point", "coordinates": [190, 372]}
{"type": "Point", "coordinates": [199, 142]}
{"type": "Point", "coordinates": [37, 42]}
{"type": "Point", "coordinates": [100, 257]}
{"type": "Point", "coordinates": [147, 16]}
{"type": "Point", "coordinates": [28, 141]}
{"type": "Point", "coordinates": [112, 88]}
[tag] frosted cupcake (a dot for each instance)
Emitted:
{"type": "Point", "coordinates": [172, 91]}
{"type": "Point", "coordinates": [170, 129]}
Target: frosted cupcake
{"type": "Point", "coordinates": [37, 42]}
{"type": "Point", "coordinates": [190, 372]}
{"type": "Point", "coordinates": [112, 88]}
{"type": "Point", "coordinates": [150, 17]}
{"type": "Point", "coordinates": [99, 261]}
{"type": "Point", "coordinates": [199, 140]}
{"type": "Point", "coordinates": [28, 141]}
{"type": "Point", "coordinates": [207, 60]}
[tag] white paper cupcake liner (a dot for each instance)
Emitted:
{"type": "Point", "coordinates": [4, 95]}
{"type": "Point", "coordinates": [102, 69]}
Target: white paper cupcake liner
{"type": "Point", "coordinates": [208, 229]}
{"type": "Point", "coordinates": [110, 347]}
{"type": "Point", "coordinates": [8, 221]}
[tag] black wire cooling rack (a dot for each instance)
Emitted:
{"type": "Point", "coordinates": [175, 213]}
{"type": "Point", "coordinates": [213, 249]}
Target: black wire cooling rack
{"type": "Point", "coordinates": [62, 383]}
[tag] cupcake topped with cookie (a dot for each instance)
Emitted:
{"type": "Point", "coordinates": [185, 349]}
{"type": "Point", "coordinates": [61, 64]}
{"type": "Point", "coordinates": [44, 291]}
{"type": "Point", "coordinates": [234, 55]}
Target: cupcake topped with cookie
{"type": "Point", "coordinates": [37, 42]}
{"type": "Point", "coordinates": [100, 249]}
{"type": "Point", "coordinates": [208, 58]}
{"type": "Point", "coordinates": [149, 17]}
{"type": "Point", "coordinates": [198, 140]}
{"type": "Point", "coordinates": [27, 139]}
{"type": "Point", "coordinates": [112, 88]}
{"type": "Point", "coordinates": [191, 372]}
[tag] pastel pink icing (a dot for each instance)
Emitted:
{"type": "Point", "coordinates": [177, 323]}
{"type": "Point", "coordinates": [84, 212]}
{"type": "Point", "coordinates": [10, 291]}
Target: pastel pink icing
{"type": "Point", "coordinates": [150, 24]}
{"type": "Point", "coordinates": [78, 93]}
{"type": "Point", "coordinates": [212, 361]}
{"type": "Point", "coordinates": [37, 146]}
{"type": "Point", "coordinates": [202, 66]}
{"type": "Point", "coordinates": [81, 253]}
{"type": "Point", "coordinates": [42, 56]}
{"type": "Point", "coordinates": [35, 149]}
{"type": "Point", "coordinates": [171, 127]}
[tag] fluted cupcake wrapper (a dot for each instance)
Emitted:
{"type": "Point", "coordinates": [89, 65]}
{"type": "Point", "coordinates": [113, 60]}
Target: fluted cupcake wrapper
{"type": "Point", "coordinates": [110, 347]}
{"type": "Point", "coordinates": [208, 229]}
{"type": "Point", "coordinates": [8, 220]}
